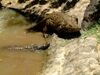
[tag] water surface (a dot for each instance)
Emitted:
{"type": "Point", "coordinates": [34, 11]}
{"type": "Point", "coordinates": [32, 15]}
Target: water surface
{"type": "Point", "coordinates": [13, 32]}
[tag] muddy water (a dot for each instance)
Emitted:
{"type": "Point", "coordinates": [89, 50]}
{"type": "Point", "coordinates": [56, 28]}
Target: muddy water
{"type": "Point", "coordinates": [12, 32]}
{"type": "Point", "coordinates": [20, 63]}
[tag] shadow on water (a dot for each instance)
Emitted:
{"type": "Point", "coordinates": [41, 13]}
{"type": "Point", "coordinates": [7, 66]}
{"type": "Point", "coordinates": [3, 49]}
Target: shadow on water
{"type": "Point", "coordinates": [29, 17]}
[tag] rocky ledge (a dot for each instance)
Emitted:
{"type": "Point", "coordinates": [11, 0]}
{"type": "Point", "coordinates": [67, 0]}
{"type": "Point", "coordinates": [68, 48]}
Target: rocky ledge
{"type": "Point", "coordinates": [84, 10]}
{"type": "Point", "coordinates": [76, 57]}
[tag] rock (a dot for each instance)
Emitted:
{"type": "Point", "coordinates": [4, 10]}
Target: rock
{"type": "Point", "coordinates": [38, 8]}
{"type": "Point", "coordinates": [97, 71]}
{"type": "Point", "coordinates": [79, 10]}
{"type": "Point", "coordinates": [15, 4]}
{"type": "Point", "coordinates": [58, 22]}
{"type": "Point", "coordinates": [76, 57]}
{"type": "Point", "coordinates": [22, 1]}
{"type": "Point", "coordinates": [92, 13]}
{"type": "Point", "coordinates": [87, 11]}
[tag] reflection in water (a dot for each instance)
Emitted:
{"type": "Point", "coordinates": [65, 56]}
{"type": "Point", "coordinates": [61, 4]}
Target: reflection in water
{"type": "Point", "coordinates": [12, 32]}
{"type": "Point", "coordinates": [10, 20]}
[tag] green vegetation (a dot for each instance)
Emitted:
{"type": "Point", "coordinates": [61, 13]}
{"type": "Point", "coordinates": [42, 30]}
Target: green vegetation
{"type": "Point", "coordinates": [93, 30]}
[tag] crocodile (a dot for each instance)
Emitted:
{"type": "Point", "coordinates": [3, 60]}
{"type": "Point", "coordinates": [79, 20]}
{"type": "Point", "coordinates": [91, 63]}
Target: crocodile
{"type": "Point", "coordinates": [27, 47]}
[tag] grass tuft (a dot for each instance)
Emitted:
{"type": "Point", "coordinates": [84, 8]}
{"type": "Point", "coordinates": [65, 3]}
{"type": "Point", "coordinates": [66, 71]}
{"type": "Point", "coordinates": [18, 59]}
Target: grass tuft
{"type": "Point", "coordinates": [93, 30]}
